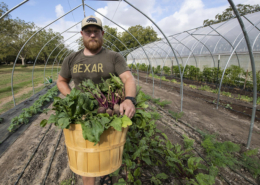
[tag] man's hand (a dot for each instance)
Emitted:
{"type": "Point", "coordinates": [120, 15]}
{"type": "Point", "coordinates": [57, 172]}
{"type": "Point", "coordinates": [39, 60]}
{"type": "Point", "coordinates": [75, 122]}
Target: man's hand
{"type": "Point", "coordinates": [128, 107]}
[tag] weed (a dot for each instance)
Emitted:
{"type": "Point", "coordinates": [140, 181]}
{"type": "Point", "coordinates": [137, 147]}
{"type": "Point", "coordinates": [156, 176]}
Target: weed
{"type": "Point", "coordinates": [155, 100]}
{"type": "Point", "coordinates": [258, 101]}
{"type": "Point", "coordinates": [245, 98]}
{"type": "Point", "coordinates": [163, 103]}
{"type": "Point", "coordinates": [66, 181]}
{"type": "Point", "coordinates": [205, 88]}
{"type": "Point", "coordinates": [164, 79]}
{"type": "Point", "coordinates": [228, 106]}
{"type": "Point", "coordinates": [174, 81]}
{"type": "Point", "coordinates": [228, 94]}
{"type": "Point", "coordinates": [193, 86]}
{"type": "Point", "coordinates": [1, 120]}
{"type": "Point", "coordinates": [176, 115]}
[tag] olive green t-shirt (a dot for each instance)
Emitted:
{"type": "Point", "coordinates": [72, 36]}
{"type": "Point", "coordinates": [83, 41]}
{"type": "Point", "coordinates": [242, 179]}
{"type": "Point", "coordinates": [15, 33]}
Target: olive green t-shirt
{"type": "Point", "coordinates": [79, 67]}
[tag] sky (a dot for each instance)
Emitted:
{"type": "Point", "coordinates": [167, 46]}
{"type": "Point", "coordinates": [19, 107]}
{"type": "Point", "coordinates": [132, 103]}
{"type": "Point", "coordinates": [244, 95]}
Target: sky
{"type": "Point", "coordinates": [172, 16]}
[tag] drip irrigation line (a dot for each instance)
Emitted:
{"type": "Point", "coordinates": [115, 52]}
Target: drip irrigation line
{"type": "Point", "coordinates": [49, 167]}
{"type": "Point", "coordinates": [36, 149]}
{"type": "Point", "coordinates": [195, 148]}
{"type": "Point", "coordinates": [219, 104]}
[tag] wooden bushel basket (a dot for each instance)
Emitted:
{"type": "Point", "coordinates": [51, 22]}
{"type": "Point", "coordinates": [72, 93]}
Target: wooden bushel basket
{"type": "Point", "coordinates": [88, 160]}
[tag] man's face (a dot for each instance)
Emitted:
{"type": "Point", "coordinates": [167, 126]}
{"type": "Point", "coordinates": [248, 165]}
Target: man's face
{"type": "Point", "coordinates": [92, 38]}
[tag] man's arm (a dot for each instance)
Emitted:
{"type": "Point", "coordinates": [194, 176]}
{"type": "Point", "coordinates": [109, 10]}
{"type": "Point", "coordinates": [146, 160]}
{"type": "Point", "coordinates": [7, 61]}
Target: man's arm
{"type": "Point", "coordinates": [63, 85]}
{"type": "Point", "coordinates": [130, 90]}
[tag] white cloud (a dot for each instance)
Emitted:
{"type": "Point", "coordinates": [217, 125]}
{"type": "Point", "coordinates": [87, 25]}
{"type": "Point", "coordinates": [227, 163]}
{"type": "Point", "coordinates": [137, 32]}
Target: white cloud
{"type": "Point", "coordinates": [191, 15]}
{"type": "Point", "coordinates": [127, 16]}
{"type": "Point", "coordinates": [61, 25]}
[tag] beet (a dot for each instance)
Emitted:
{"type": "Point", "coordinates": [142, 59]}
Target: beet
{"type": "Point", "coordinates": [117, 109]}
{"type": "Point", "coordinates": [109, 111]}
{"type": "Point", "coordinates": [101, 110]}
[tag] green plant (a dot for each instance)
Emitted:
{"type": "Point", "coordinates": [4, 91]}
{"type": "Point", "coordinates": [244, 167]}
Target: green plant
{"type": "Point", "coordinates": [174, 81]}
{"type": "Point", "coordinates": [176, 115]}
{"type": "Point", "coordinates": [228, 106]}
{"type": "Point", "coordinates": [23, 118]}
{"type": "Point", "coordinates": [228, 94]}
{"type": "Point", "coordinates": [23, 66]}
{"type": "Point", "coordinates": [258, 101]}
{"type": "Point", "coordinates": [96, 109]}
{"type": "Point", "coordinates": [245, 98]}
{"type": "Point", "coordinates": [1, 120]}
{"type": "Point", "coordinates": [163, 103]}
{"type": "Point", "coordinates": [205, 88]}
{"type": "Point", "coordinates": [193, 86]}
{"type": "Point", "coordinates": [164, 79]}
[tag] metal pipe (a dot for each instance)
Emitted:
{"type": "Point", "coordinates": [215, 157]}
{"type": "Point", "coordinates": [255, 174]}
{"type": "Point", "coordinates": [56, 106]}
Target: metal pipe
{"type": "Point", "coordinates": [13, 9]}
{"type": "Point", "coordinates": [123, 29]}
{"type": "Point", "coordinates": [53, 51]}
{"type": "Point", "coordinates": [253, 70]}
{"type": "Point", "coordinates": [27, 42]}
{"type": "Point", "coordinates": [165, 38]}
{"type": "Point", "coordinates": [44, 47]}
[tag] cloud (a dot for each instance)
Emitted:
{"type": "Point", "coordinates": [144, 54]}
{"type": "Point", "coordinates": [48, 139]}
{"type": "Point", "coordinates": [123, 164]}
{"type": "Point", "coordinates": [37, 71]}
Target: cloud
{"type": "Point", "coordinates": [61, 25]}
{"type": "Point", "coordinates": [191, 15]}
{"type": "Point", "coordinates": [125, 15]}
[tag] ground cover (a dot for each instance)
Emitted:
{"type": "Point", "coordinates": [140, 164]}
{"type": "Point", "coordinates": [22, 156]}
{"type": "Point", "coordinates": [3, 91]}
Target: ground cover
{"type": "Point", "coordinates": [22, 83]}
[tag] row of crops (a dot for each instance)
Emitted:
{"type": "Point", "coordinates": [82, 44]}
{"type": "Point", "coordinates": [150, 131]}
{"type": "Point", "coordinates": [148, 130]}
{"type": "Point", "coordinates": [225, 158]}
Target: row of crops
{"type": "Point", "coordinates": [234, 76]}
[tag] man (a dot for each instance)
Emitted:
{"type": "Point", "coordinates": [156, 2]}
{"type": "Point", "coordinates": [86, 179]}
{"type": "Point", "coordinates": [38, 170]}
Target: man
{"type": "Point", "coordinates": [94, 62]}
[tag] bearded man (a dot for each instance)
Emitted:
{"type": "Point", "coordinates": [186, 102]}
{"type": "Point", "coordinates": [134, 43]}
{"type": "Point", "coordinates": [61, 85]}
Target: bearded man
{"type": "Point", "coordinates": [95, 62]}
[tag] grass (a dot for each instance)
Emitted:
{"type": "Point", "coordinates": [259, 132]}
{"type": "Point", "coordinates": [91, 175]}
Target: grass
{"type": "Point", "coordinates": [22, 79]}
{"type": "Point", "coordinates": [205, 88]}
{"type": "Point", "coordinates": [193, 86]}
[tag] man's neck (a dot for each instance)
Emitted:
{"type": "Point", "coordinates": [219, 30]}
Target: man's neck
{"type": "Point", "coordinates": [89, 53]}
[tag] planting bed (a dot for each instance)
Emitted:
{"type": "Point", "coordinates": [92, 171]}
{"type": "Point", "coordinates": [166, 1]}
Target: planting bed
{"type": "Point", "coordinates": [197, 113]}
{"type": "Point", "coordinates": [237, 107]}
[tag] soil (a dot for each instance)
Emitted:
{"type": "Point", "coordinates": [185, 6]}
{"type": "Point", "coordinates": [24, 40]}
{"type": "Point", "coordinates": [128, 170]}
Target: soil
{"type": "Point", "coordinates": [198, 113]}
{"type": "Point", "coordinates": [17, 95]}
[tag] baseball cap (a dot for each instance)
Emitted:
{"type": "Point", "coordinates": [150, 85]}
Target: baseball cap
{"type": "Point", "coordinates": [91, 20]}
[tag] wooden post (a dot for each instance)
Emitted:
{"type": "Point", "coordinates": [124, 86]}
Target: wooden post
{"type": "Point", "coordinates": [245, 79]}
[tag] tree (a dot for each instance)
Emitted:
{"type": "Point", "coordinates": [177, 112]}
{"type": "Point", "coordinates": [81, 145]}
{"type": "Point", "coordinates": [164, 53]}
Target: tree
{"type": "Point", "coordinates": [228, 13]}
{"type": "Point", "coordinates": [41, 39]}
{"type": "Point", "coordinates": [142, 34]}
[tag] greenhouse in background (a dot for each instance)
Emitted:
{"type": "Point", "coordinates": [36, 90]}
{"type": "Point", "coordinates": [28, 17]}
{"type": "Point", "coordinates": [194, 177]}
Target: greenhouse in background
{"type": "Point", "coordinates": [201, 47]}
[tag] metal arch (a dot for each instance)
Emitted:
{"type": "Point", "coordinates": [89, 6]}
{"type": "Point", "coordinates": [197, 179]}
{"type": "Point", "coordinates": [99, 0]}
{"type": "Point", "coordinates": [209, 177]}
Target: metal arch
{"type": "Point", "coordinates": [68, 52]}
{"type": "Point", "coordinates": [44, 47]}
{"type": "Point", "coordinates": [227, 41]}
{"type": "Point", "coordinates": [13, 9]}
{"type": "Point", "coordinates": [83, 8]}
{"type": "Point", "coordinates": [123, 29]}
{"type": "Point", "coordinates": [187, 48]}
{"type": "Point", "coordinates": [118, 40]}
{"type": "Point", "coordinates": [27, 42]}
{"type": "Point", "coordinates": [165, 38]}
{"type": "Point", "coordinates": [239, 35]}
{"type": "Point", "coordinates": [168, 52]}
{"type": "Point", "coordinates": [227, 65]}
{"type": "Point", "coordinates": [202, 44]}
{"type": "Point", "coordinates": [253, 70]}
{"type": "Point", "coordinates": [57, 56]}
{"type": "Point", "coordinates": [54, 50]}
{"type": "Point", "coordinates": [251, 22]}
{"type": "Point", "coordinates": [112, 44]}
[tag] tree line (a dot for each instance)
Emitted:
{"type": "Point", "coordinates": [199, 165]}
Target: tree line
{"type": "Point", "coordinates": [228, 13]}
{"type": "Point", "coordinates": [15, 32]}
{"type": "Point", "coordinates": [113, 39]}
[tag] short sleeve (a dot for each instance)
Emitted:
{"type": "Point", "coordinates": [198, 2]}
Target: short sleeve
{"type": "Point", "coordinates": [120, 64]}
{"type": "Point", "coordinates": [65, 69]}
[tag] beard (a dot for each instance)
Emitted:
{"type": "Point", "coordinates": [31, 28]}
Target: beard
{"type": "Point", "coordinates": [93, 45]}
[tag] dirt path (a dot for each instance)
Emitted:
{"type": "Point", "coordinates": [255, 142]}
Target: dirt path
{"type": "Point", "coordinates": [204, 116]}
{"type": "Point", "coordinates": [197, 113]}
{"type": "Point", "coordinates": [17, 95]}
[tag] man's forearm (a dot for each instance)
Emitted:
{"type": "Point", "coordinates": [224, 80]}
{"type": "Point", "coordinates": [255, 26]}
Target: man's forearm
{"type": "Point", "coordinates": [130, 88]}
{"type": "Point", "coordinates": [63, 87]}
